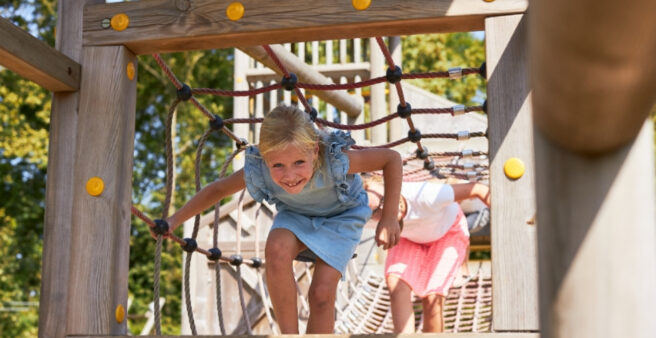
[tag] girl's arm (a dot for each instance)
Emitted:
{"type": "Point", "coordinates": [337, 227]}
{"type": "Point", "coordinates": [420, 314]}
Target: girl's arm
{"type": "Point", "coordinates": [389, 161]}
{"type": "Point", "coordinates": [207, 197]}
{"type": "Point", "coordinates": [463, 191]}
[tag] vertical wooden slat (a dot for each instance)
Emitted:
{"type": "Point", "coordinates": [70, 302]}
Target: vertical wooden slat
{"type": "Point", "coordinates": [259, 111]}
{"type": "Point", "coordinates": [240, 108]}
{"type": "Point", "coordinates": [396, 125]}
{"type": "Point", "coordinates": [378, 102]}
{"type": "Point", "coordinates": [59, 186]}
{"type": "Point", "coordinates": [596, 235]}
{"type": "Point", "coordinates": [510, 136]}
{"type": "Point", "coordinates": [100, 226]}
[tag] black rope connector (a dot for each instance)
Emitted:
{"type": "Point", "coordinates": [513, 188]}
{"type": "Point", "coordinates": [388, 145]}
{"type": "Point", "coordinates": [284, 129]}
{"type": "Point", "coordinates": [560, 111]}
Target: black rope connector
{"type": "Point", "coordinates": [414, 135]}
{"type": "Point", "coordinates": [236, 260]}
{"type": "Point", "coordinates": [394, 75]}
{"type": "Point", "coordinates": [429, 165]}
{"type": "Point", "coordinates": [483, 70]}
{"type": "Point", "coordinates": [313, 114]}
{"type": "Point", "coordinates": [289, 83]}
{"type": "Point", "coordinates": [215, 254]}
{"type": "Point", "coordinates": [216, 123]}
{"type": "Point", "coordinates": [404, 112]}
{"type": "Point", "coordinates": [161, 227]}
{"type": "Point", "coordinates": [422, 153]}
{"type": "Point", "coordinates": [257, 262]}
{"type": "Point", "coordinates": [184, 93]}
{"type": "Point", "coordinates": [190, 245]}
{"type": "Point", "coordinates": [485, 107]}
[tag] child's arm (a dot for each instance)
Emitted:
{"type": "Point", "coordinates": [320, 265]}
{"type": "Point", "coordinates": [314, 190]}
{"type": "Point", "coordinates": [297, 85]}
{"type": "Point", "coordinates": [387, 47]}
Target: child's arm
{"type": "Point", "coordinates": [463, 191]}
{"type": "Point", "coordinates": [388, 231]}
{"type": "Point", "coordinates": [207, 197]}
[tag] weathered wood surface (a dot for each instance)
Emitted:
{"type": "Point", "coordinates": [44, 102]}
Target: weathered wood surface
{"type": "Point", "coordinates": [56, 255]}
{"type": "Point", "coordinates": [34, 60]}
{"type": "Point", "coordinates": [514, 253]}
{"type": "Point", "coordinates": [177, 25]}
{"type": "Point", "coordinates": [386, 335]}
{"type": "Point", "coordinates": [100, 229]}
{"type": "Point", "coordinates": [596, 233]}
{"type": "Point", "coordinates": [594, 78]}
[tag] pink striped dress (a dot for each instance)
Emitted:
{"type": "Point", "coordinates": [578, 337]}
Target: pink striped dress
{"type": "Point", "coordinates": [433, 242]}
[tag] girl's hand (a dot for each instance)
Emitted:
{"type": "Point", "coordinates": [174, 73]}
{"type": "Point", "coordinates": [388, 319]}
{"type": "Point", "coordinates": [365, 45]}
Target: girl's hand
{"type": "Point", "coordinates": [388, 233]}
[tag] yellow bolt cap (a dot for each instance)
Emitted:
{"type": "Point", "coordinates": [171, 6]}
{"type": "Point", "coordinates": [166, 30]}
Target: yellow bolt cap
{"type": "Point", "coordinates": [120, 22]}
{"type": "Point", "coordinates": [514, 168]}
{"type": "Point", "coordinates": [361, 5]}
{"type": "Point", "coordinates": [95, 186]}
{"type": "Point", "coordinates": [235, 11]}
{"type": "Point", "coordinates": [130, 70]}
{"type": "Point", "coordinates": [120, 313]}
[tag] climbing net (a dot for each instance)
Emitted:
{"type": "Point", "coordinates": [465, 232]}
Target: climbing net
{"type": "Point", "coordinates": [447, 163]}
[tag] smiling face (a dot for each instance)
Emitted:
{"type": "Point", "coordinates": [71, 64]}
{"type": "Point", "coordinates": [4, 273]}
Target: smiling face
{"type": "Point", "coordinates": [291, 166]}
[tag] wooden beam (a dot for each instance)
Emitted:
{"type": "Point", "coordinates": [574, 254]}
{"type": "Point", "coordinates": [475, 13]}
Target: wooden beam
{"type": "Point", "coordinates": [596, 233]}
{"type": "Point", "coordinates": [34, 60]}
{"type": "Point", "coordinates": [339, 98]}
{"type": "Point", "coordinates": [55, 266]}
{"type": "Point", "coordinates": [100, 229]}
{"type": "Point", "coordinates": [594, 78]}
{"type": "Point", "coordinates": [168, 25]}
{"type": "Point", "coordinates": [514, 252]}
{"type": "Point", "coordinates": [384, 335]}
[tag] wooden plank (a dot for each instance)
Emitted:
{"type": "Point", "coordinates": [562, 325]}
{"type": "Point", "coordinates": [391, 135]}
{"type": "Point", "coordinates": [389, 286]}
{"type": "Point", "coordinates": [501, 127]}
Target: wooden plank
{"type": "Point", "coordinates": [168, 25]}
{"type": "Point", "coordinates": [384, 335]}
{"type": "Point", "coordinates": [510, 135]}
{"type": "Point", "coordinates": [596, 236]}
{"type": "Point", "coordinates": [100, 225]}
{"type": "Point", "coordinates": [594, 79]}
{"type": "Point", "coordinates": [55, 265]}
{"type": "Point", "coordinates": [34, 60]}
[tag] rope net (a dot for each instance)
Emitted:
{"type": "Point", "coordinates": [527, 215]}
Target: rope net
{"type": "Point", "coordinates": [422, 165]}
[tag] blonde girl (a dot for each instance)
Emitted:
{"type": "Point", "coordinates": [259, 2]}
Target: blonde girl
{"type": "Point", "coordinates": [312, 178]}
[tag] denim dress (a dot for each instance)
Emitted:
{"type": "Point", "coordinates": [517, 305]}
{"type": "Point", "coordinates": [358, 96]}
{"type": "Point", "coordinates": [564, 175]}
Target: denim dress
{"type": "Point", "coordinates": [329, 213]}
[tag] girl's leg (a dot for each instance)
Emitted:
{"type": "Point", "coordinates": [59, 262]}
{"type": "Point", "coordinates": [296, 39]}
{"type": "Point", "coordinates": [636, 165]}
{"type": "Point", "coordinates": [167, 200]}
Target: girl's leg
{"type": "Point", "coordinates": [282, 246]}
{"type": "Point", "coordinates": [403, 315]}
{"type": "Point", "coordinates": [321, 297]}
{"type": "Point", "coordinates": [433, 305]}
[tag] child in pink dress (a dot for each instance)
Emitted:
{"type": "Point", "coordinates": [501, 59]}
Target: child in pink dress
{"type": "Point", "coordinates": [433, 246]}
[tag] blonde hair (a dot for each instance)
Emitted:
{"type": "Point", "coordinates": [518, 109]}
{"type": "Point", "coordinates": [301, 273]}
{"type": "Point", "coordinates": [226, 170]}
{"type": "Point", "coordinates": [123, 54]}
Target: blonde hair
{"type": "Point", "coordinates": [286, 125]}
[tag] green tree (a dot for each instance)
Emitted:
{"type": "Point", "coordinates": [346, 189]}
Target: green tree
{"type": "Point", "coordinates": [210, 69]}
{"type": "Point", "coordinates": [439, 52]}
{"type": "Point", "coordinates": [24, 120]}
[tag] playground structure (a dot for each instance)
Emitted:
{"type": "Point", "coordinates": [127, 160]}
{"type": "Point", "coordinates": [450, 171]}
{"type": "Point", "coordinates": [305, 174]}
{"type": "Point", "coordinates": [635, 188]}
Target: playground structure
{"type": "Point", "coordinates": [585, 202]}
{"type": "Point", "coordinates": [353, 65]}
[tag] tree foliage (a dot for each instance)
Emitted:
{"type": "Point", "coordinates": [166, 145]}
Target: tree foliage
{"type": "Point", "coordinates": [439, 52]}
{"type": "Point", "coordinates": [24, 120]}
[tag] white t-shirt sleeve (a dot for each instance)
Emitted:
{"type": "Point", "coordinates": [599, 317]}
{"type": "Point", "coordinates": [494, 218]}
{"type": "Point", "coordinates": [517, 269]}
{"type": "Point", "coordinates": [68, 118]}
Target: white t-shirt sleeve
{"type": "Point", "coordinates": [431, 211]}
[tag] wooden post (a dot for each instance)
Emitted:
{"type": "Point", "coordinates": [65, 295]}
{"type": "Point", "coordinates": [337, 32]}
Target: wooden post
{"type": "Point", "coordinates": [240, 107]}
{"type": "Point", "coordinates": [596, 237]}
{"type": "Point", "coordinates": [396, 127]}
{"type": "Point", "coordinates": [590, 70]}
{"type": "Point", "coordinates": [100, 228]}
{"type": "Point", "coordinates": [59, 186]}
{"type": "Point", "coordinates": [514, 271]}
{"type": "Point", "coordinates": [377, 102]}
